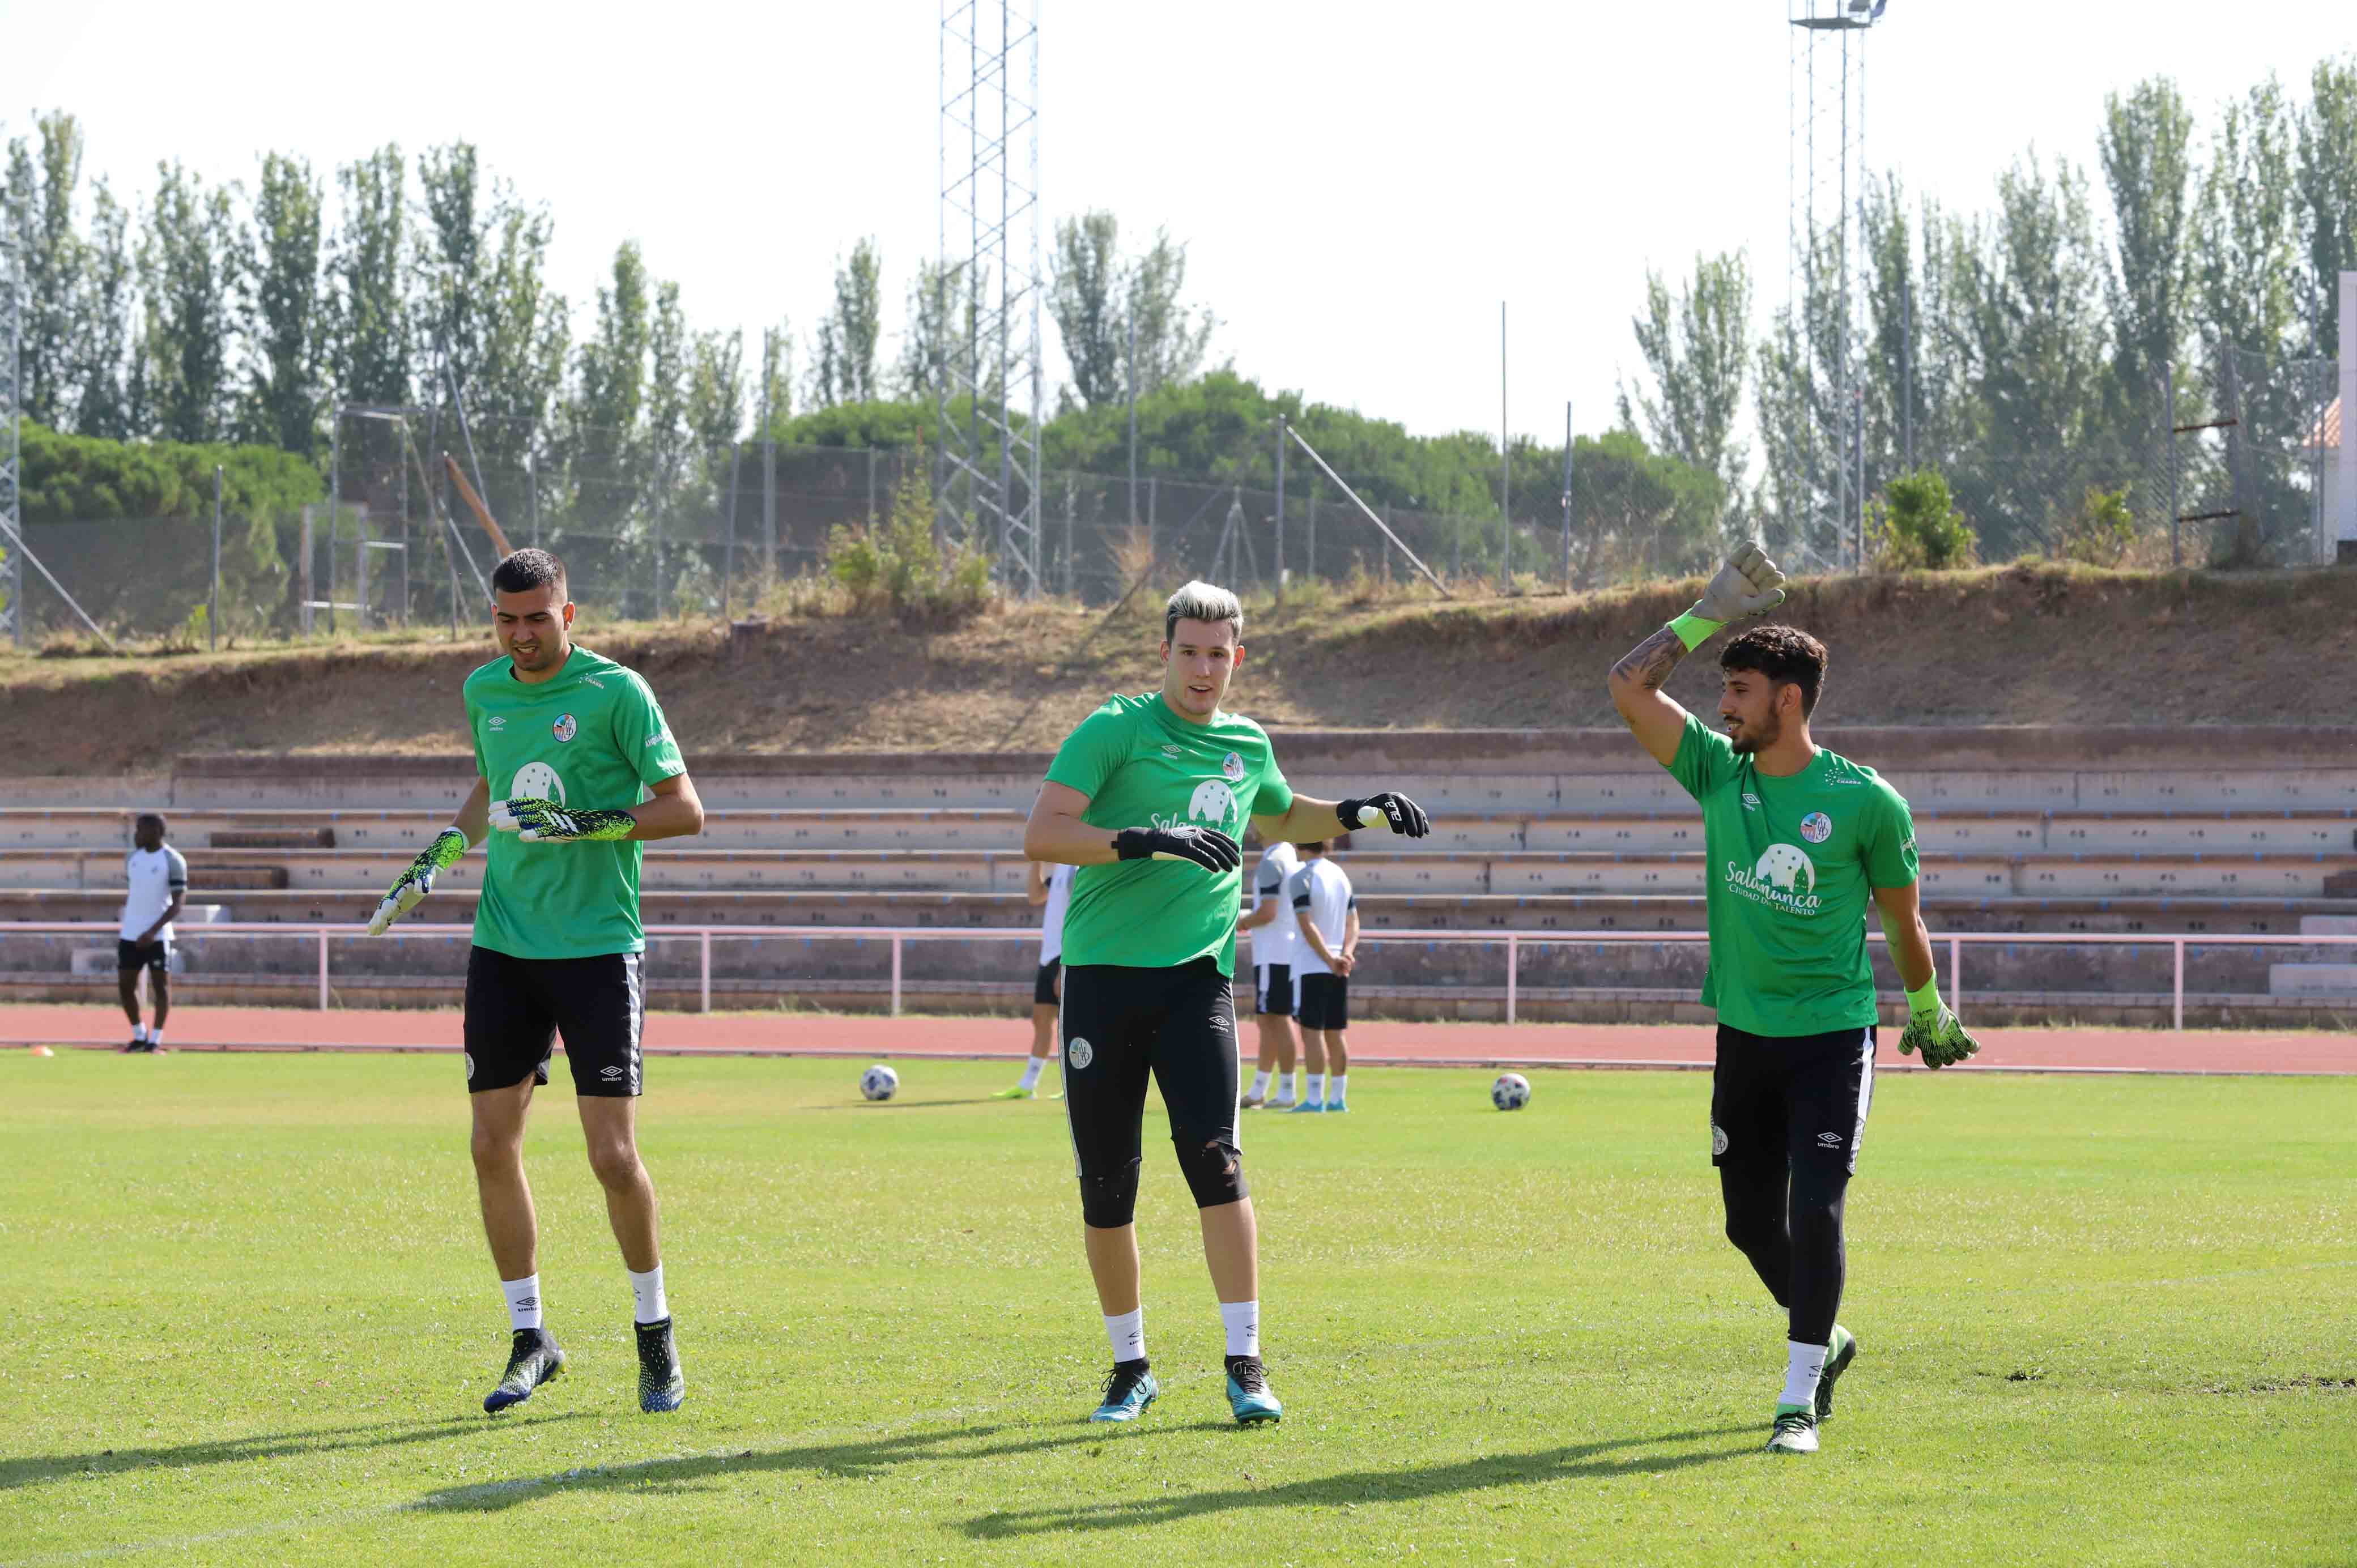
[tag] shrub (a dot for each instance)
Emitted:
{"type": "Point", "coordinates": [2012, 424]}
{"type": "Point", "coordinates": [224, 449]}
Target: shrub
{"type": "Point", "coordinates": [2101, 532]}
{"type": "Point", "coordinates": [1915, 526]}
{"type": "Point", "coordinates": [898, 566]}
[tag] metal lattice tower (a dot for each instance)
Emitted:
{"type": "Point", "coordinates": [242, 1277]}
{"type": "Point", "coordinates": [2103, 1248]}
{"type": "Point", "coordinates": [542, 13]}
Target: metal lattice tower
{"type": "Point", "coordinates": [13, 617]}
{"type": "Point", "coordinates": [989, 159]}
{"type": "Point", "coordinates": [1826, 259]}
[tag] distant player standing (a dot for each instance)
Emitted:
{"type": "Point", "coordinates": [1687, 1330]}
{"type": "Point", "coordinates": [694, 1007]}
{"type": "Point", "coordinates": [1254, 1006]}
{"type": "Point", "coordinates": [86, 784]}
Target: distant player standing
{"type": "Point", "coordinates": [1051, 887]}
{"type": "Point", "coordinates": [1798, 840]}
{"type": "Point", "coordinates": [587, 770]}
{"type": "Point", "coordinates": [1149, 798]}
{"type": "Point", "coordinates": [1326, 912]}
{"type": "Point", "coordinates": [155, 880]}
{"type": "Point", "coordinates": [1276, 942]}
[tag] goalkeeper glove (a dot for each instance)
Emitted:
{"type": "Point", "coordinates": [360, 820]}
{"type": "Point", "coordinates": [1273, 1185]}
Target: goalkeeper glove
{"type": "Point", "coordinates": [544, 821]}
{"type": "Point", "coordinates": [410, 888]}
{"type": "Point", "coordinates": [1934, 1029]}
{"type": "Point", "coordinates": [1749, 585]}
{"type": "Point", "coordinates": [1212, 849]}
{"type": "Point", "coordinates": [1393, 810]}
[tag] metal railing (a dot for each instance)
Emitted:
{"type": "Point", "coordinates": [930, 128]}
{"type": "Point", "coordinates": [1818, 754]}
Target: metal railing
{"type": "Point", "coordinates": [1951, 976]}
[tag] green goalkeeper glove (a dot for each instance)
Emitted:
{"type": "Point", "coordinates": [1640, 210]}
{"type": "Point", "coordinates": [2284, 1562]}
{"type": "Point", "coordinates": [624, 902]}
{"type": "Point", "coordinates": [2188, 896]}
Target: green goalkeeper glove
{"type": "Point", "coordinates": [410, 888]}
{"type": "Point", "coordinates": [1933, 1029]}
{"type": "Point", "coordinates": [545, 821]}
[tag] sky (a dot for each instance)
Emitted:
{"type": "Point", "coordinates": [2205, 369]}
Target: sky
{"type": "Point", "coordinates": [1358, 186]}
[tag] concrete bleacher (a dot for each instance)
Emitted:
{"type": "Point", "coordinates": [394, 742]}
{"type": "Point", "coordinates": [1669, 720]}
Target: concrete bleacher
{"type": "Point", "coordinates": [2228, 831]}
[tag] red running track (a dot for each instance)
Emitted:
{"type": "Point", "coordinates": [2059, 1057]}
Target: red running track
{"type": "Point", "coordinates": [197, 1027]}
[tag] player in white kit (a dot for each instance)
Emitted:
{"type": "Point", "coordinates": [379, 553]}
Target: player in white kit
{"type": "Point", "coordinates": [1050, 885]}
{"type": "Point", "coordinates": [1275, 939]}
{"type": "Point", "coordinates": [157, 887]}
{"type": "Point", "coordinates": [1327, 912]}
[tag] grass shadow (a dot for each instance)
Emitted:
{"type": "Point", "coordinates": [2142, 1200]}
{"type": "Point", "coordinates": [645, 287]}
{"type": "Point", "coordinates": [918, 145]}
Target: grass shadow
{"type": "Point", "coordinates": [690, 1473]}
{"type": "Point", "coordinates": [31, 1469]}
{"type": "Point", "coordinates": [867, 1107]}
{"type": "Point", "coordinates": [1573, 1462]}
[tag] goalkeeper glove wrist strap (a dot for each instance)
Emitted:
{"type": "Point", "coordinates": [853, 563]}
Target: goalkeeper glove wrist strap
{"type": "Point", "coordinates": [1924, 1000]}
{"type": "Point", "coordinates": [1693, 630]}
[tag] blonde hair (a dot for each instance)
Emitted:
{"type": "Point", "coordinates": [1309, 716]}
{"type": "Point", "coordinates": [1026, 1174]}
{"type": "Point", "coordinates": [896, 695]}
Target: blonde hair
{"type": "Point", "coordinates": [1202, 601]}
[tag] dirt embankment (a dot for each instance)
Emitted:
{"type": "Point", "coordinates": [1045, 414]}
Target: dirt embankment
{"type": "Point", "coordinates": [2021, 645]}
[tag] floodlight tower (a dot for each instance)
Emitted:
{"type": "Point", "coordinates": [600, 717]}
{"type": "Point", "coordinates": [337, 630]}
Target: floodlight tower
{"type": "Point", "coordinates": [13, 617]}
{"type": "Point", "coordinates": [1824, 262]}
{"type": "Point", "coordinates": [989, 159]}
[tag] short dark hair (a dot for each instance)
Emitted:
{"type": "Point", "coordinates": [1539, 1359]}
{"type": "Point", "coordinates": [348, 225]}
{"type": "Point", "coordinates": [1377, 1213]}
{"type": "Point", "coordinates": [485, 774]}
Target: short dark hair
{"type": "Point", "coordinates": [147, 817]}
{"type": "Point", "coordinates": [528, 569]}
{"type": "Point", "coordinates": [1316, 846]}
{"type": "Point", "coordinates": [1786, 655]}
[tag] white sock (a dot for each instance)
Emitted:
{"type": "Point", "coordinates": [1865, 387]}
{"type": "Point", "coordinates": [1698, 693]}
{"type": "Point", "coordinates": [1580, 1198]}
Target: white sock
{"type": "Point", "coordinates": [1260, 1087]}
{"type": "Point", "coordinates": [1293, 1085]}
{"type": "Point", "coordinates": [155, 1037]}
{"type": "Point", "coordinates": [139, 1032]}
{"type": "Point", "coordinates": [1127, 1334]}
{"type": "Point", "coordinates": [1335, 1085]}
{"type": "Point", "coordinates": [1801, 1369]}
{"type": "Point", "coordinates": [1031, 1068]}
{"type": "Point", "coordinates": [649, 1291]}
{"type": "Point", "coordinates": [1317, 1088]}
{"type": "Point", "coordinates": [1243, 1320]}
{"type": "Point", "coordinates": [523, 1301]}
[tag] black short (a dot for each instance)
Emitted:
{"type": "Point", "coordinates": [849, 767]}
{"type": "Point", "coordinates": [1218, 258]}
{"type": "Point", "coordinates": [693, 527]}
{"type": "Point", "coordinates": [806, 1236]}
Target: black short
{"type": "Point", "coordinates": [1121, 1025]}
{"type": "Point", "coordinates": [1043, 989]}
{"type": "Point", "coordinates": [157, 956]}
{"type": "Point", "coordinates": [1325, 1002]}
{"type": "Point", "coordinates": [517, 1006]}
{"type": "Point", "coordinates": [1776, 1101]}
{"type": "Point", "coordinates": [1273, 989]}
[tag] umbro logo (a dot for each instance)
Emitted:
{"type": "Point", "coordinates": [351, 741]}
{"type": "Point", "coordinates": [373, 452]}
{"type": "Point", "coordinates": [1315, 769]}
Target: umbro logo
{"type": "Point", "coordinates": [1750, 802]}
{"type": "Point", "coordinates": [1170, 751]}
{"type": "Point", "coordinates": [1829, 1139]}
{"type": "Point", "coordinates": [609, 1074]}
{"type": "Point", "coordinates": [498, 721]}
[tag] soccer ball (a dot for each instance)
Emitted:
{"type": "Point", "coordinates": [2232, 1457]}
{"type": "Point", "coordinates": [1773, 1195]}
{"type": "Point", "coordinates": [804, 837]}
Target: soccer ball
{"type": "Point", "coordinates": [1511, 1092]}
{"type": "Point", "coordinates": [880, 1082]}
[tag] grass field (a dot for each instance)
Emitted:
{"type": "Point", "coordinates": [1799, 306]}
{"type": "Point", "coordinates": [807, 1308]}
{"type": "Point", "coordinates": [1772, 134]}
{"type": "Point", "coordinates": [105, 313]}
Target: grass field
{"type": "Point", "coordinates": [2103, 1322]}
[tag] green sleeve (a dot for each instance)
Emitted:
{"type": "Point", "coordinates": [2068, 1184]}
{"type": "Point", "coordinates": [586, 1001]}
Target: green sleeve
{"type": "Point", "coordinates": [1092, 752]}
{"type": "Point", "coordinates": [1703, 759]}
{"type": "Point", "coordinates": [1890, 845]}
{"type": "Point", "coordinates": [1274, 796]}
{"type": "Point", "coordinates": [475, 739]}
{"type": "Point", "coordinates": [642, 735]}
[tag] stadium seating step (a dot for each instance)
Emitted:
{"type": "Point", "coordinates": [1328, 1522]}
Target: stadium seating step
{"type": "Point", "coordinates": [272, 838]}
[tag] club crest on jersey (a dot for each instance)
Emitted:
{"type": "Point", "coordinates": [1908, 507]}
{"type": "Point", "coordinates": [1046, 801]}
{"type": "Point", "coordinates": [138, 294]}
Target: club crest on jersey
{"type": "Point", "coordinates": [1079, 1053]}
{"type": "Point", "coordinates": [565, 729]}
{"type": "Point", "coordinates": [1233, 766]}
{"type": "Point", "coordinates": [1816, 827]}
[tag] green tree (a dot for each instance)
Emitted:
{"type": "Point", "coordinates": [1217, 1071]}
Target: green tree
{"type": "Point", "coordinates": [1696, 348]}
{"type": "Point", "coordinates": [1097, 293]}
{"type": "Point", "coordinates": [281, 404]}
{"type": "Point", "coordinates": [190, 275]}
{"type": "Point", "coordinates": [2328, 188]}
{"type": "Point", "coordinates": [669, 350]}
{"type": "Point", "coordinates": [110, 403]}
{"type": "Point", "coordinates": [851, 332]}
{"type": "Point", "coordinates": [941, 318]}
{"type": "Point", "coordinates": [373, 355]}
{"type": "Point", "coordinates": [2252, 294]}
{"type": "Point", "coordinates": [2032, 300]}
{"type": "Point", "coordinates": [610, 399]}
{"type": "Point", "coordinates": [41, 188]}
{"type": "Point", "coordinates": [2147, 152]}
{"type": "Point", "coordinates": [773, 392]}
{"type": "Point", "coordinates": [715, 391]}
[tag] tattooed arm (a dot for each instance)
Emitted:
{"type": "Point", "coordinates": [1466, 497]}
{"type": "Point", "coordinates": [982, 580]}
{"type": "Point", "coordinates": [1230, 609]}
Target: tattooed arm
{"type": "Point", "coordinates": [1657, 722]}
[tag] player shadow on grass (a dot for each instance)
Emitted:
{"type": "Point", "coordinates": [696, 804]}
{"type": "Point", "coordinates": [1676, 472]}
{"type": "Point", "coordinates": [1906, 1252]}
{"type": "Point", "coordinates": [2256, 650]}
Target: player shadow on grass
{"type": "Point", "coordinates": [1578, 1461]}
{"type": "Point", "coordinates": [885, 1107]}
{"type": "Point", "coordinates": [696, 1472]}
{"type": "Point", "coordinates": [32, 1469]}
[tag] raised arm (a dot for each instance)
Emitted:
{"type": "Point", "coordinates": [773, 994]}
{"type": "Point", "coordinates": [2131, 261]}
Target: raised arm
{"type": "Point", "coordinates": [1748, 585]}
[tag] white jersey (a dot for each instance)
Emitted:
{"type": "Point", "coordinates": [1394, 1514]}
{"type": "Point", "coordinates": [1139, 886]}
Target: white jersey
{"type": "Point", "coordinates": [1052, 920]}
{"type": "Point", "coordinates": [154, 875]}
{"type": "Point", "coordinates": [1279, 942]}
{"type": "Point", "coordinates": [1320, 887]}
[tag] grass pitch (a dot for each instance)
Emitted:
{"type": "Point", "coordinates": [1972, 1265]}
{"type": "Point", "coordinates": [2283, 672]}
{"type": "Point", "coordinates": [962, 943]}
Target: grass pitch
{"type": "Point", "coordinates": [2103, 1321]}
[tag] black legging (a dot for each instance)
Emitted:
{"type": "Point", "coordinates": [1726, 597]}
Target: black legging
{"type": "Point", "coordinates": [1787, 1219]}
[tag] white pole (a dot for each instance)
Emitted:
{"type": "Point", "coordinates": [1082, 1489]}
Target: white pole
{"type": "Point", "coordinates": [2345, 471]}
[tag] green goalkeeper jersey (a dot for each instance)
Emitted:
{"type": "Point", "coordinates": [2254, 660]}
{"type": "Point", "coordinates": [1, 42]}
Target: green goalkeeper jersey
{"type": "Point", "coordinates": [1792, 866]}
{"type": "Point", "coordinates": [592, 738]}
{"type": "Point", "coordinates": [1142, 765]}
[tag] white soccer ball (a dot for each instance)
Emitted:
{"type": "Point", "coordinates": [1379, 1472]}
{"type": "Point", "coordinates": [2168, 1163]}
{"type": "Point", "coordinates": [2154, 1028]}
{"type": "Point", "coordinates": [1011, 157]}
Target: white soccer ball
{"type": "Point", "coordinates": [1511, 1092]}
{"type": "Point", "coordinates": [880, 1082]}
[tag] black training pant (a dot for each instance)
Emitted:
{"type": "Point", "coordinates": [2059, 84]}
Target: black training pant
{"type": "Point", "coordinates": [1787, 1114]}
{"type": "Point", "coordinates": [1177, 1025]}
